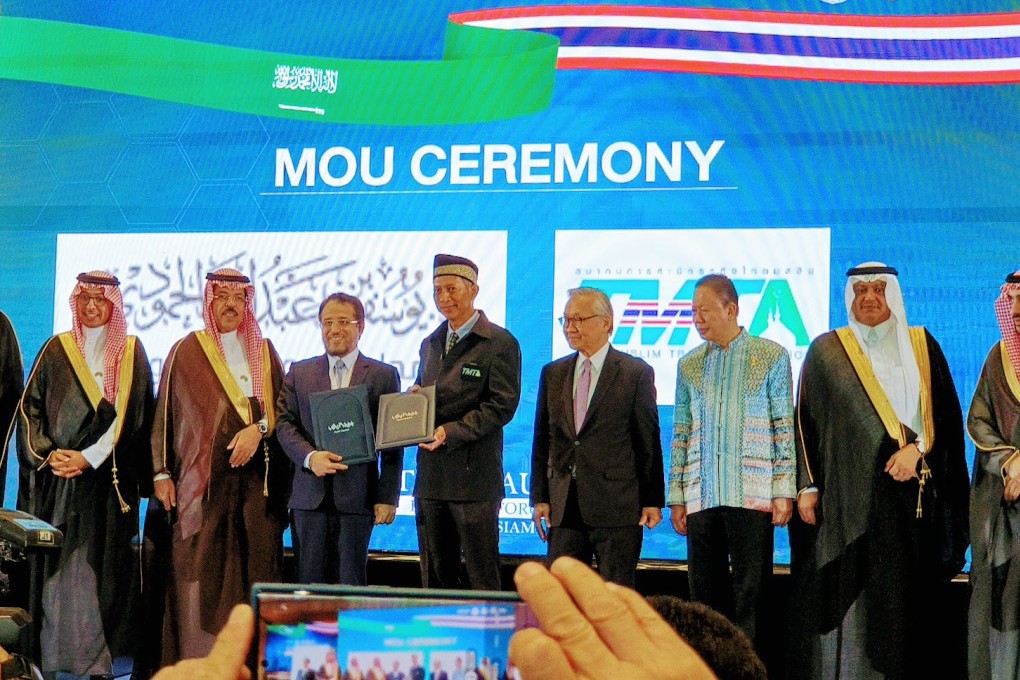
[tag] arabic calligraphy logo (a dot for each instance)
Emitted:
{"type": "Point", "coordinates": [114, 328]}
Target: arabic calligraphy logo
{"type": "Point", "coordinates": [403, 416]}
{"type": "Point", "coordinates": [168, 292]}
{"type": "Point", "coordinates": [342, 427]}
{"type": "Point", "coordinates": [305, 78]}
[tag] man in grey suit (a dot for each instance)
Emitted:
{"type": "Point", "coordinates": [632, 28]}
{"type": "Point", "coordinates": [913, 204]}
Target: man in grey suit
{"type": "Point", "coordinates": [334, 505]}
{"type": "Point", "coordinates": [476, 368]}
{"type": "Point", "coordinates": [596, 462]}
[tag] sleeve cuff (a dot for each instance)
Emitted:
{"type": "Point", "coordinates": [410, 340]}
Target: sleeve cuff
{"type": "Point", "coordinates": [1005, 464]}
{"type": "Point", "coordinates": [161, 476]}
{"type": "Point", "coordinates": [95, 455]}
{"type": "Point", "coordinates": [307, 465]}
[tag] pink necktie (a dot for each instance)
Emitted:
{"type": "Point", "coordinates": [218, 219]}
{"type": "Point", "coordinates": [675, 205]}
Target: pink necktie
{"type": "Point", "coordinates": [581, 395]}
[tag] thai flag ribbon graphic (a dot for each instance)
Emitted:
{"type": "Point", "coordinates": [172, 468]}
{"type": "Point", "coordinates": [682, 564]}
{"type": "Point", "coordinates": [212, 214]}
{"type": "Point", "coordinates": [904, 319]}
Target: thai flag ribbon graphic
{"type": "Point", "coordinates": [905, 50]}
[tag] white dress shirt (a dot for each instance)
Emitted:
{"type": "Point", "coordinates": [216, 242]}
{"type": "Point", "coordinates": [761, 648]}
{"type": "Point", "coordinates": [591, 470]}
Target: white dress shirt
{"type": "Point", "coordinates": [464, 329]}
{"type": "Point", "coordinates": [237, 362]}
{"type": "Point", "coordinates": [883, 352]}
{"type": "Point", "coordinates": [348, 362]}
{"type": "Point", "coordinates": [95, 357]}
{"type": "Point", "coordinates": [598, 359]}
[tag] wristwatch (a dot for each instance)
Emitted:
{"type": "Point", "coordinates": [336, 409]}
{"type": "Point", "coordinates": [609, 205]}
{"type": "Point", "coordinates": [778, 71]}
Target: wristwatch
{"type": "Point", "coordinates": [263, 427]}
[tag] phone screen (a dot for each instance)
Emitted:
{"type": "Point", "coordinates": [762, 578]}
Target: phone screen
{"type": "Point", "coordinates": [336, 633]}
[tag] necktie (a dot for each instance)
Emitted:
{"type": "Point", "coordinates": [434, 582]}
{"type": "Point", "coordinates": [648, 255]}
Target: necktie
{"type": "Point", "coordinates": [581, 395]}
{"type": "Point", "coordinates": [338, 375]}
{"type": "Point", "coordinates": [452, 341]}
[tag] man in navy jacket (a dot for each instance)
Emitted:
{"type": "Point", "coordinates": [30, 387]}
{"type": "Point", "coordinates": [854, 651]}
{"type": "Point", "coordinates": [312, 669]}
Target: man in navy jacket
{"type": "Point", "coordinates": [476, 368]}
{"type": "Point", "coordinates": [334, 505]}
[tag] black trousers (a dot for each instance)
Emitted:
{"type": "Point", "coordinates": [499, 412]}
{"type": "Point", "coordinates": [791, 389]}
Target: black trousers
{"type": "Point", "coordinates": [719, 537]}
{"type": "Point", "coordinates": [616, 550]}
{"type": "Point", "coordinates": [448, 528]}
{"type": "Point", "coordinates": [332, 547]}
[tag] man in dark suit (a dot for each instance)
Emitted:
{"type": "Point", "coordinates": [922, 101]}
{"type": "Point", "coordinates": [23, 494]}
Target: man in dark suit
{"type": "Point", "coordinates": [596, 462]}
{"type": "Point", "coordinates": [476, 368]}
{"type": "Point", "coordinates": [334, 505]}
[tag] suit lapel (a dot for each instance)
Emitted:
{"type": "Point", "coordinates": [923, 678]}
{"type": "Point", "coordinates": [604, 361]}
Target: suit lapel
{"type": "Point", "coordinates": [465, 343]}
{"type": "Point", "coordinates": [567, 394]}
{"type": "Point", "coordinates": [457, 350]}
{"type": "Point", "coordinates": [321, 375]}
{"type": "Point", "coordinates": [437, 345]}
{"type": "Point", "coordinates": [478, 332]}
{"type": "Point", "coordinates": [359, 371]}
{"type": "Point", "coordinates": [606, 377]}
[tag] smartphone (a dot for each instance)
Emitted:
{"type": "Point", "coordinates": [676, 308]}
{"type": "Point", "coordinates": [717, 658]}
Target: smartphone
{"type": "Point", "coordinates": [319, 632]}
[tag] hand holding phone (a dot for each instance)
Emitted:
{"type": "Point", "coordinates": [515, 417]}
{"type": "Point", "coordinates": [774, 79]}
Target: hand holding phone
{"type": "Point", "coordinates": [589, 628]}
{"type": "Point", "coordinates": [335, 633]}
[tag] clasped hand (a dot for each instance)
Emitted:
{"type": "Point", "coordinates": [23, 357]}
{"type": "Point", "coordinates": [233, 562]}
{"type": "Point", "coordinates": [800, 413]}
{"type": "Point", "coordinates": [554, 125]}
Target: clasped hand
{"type": "Point", "coordinates": [66, 463]}
{"type": "Point", "coordinates": [1012, 481]}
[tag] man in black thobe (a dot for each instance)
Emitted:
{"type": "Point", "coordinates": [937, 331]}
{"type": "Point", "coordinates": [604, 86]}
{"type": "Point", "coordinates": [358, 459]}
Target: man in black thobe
{"type": "Point", "coordinates": [12, 383]}
{"type": "Point", "coordinates": [994, 425]}
{"type": "Point", "coordinates": [83, 442]}
{"type": "Point", "coordinates": [883, 491]}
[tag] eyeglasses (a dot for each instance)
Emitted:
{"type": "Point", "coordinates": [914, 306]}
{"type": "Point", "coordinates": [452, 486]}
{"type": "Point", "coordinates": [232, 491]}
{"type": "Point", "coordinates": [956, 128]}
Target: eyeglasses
{"type": "Point", "coordinates": [84, 300]}
{"type": "Point", "coordinates": [230, 297]}
{"type": "Point", "coordinates": [338, 323]}
{"type": "Point", "coordinates": [567, 321]}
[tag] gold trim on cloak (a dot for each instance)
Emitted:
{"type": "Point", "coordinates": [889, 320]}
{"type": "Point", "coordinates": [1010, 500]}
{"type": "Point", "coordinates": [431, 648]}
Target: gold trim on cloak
{"type": "Point", "coordinates": [871, 385]}
{"type": "Point", "coordinates": [166, 404]}
{"type": "Point", "coordinates": [91, 387]}
{"type": "Point", "coordinates": [800, 429]}
{"type": "Point", "coordinates": [1007, 368]}
{"type": "Point", "coordinates": [881, 403]}
{"type": "Point", "coordinates": [919, 342]}
{"type": "Point", "coordinates": [127, 377]}
{"type": "Point", "coordinates": [229, 383]}
{"type": "Point", "coordinates": [877, 395]}
{"type": "Point", "coordinates": [1014, 388]}
{"type": "Point", "coordinates": [81, 369]}
{"type": "Point", "coordinates": [24, 416]}
{"type": "Point", "coordinates": [236, 396]}
{"type": "Point", "coordinates": [88, 381]}
{"type": "Point", "coordinates": [225, 377]}
{"type": "Point", "coordinates": [267, 387]}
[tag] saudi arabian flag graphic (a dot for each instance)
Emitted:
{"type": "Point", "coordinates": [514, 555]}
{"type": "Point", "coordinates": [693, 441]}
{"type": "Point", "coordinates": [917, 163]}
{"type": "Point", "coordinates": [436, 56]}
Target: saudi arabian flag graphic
{"type": "Point", "coordinates": [485, 74]}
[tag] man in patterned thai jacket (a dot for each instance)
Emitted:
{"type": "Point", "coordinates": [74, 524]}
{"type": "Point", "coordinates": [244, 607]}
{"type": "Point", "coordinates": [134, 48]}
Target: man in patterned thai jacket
{"type": "Point", "coordinates": [732, 478]}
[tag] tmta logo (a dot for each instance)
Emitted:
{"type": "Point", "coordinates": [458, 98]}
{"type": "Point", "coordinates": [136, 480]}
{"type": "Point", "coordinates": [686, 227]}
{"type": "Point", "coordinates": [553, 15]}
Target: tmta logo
{"type": "Point", "coordinates": [644, 311]}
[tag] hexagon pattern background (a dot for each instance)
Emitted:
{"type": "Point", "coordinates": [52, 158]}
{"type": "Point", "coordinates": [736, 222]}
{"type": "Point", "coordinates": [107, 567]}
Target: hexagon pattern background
{"type": "Point", "coordinates": [75, 158]}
